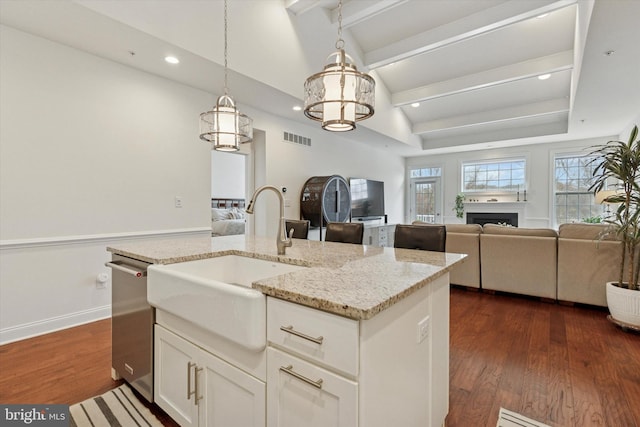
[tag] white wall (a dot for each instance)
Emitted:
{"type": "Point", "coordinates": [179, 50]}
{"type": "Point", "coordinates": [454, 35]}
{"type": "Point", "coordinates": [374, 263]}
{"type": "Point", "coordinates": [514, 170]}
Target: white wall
{"type": "Point", "coordinates": [93, 153]}
{"type": "Point", "coordinates": [227, 175]}
{"type": "Point", "coordinates": [539, 171]}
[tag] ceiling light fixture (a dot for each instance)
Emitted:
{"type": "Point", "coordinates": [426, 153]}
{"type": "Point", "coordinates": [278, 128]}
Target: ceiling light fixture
{"type": "Point", "coordinates": [224, 126]}
{"type": "Point", "coordinates": [340, 95]}
{"type": "Point", "coordinates": [297, 108]}
{"type": "Point", "coordinates": [172, 59]}
{"type": "Point", "coordinates": [544, 76]}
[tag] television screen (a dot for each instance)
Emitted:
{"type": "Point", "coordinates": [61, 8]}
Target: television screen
{"type": "Point", "coordinates": [367, 198]}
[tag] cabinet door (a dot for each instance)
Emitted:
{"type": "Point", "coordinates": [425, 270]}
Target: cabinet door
{"type": "Point", "coordinates": [174, 376]}
{"type": "Point", "coordinates": [232, 398]}
{"type": "Point", "coordinates": [302, 394]}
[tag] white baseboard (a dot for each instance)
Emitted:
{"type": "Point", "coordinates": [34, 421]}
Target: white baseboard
{"type": "Point", "coordinates": [45, 326]}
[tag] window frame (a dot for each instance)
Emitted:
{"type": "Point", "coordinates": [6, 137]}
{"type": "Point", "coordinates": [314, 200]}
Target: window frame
{"type": "Point", "coordinates": [496, 161]}
{"type": "Point", "coordinates": [581, 191]}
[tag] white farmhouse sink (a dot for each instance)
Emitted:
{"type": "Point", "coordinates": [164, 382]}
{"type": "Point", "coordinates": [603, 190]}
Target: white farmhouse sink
{"type": "Point", "coordinates": [216, 294]}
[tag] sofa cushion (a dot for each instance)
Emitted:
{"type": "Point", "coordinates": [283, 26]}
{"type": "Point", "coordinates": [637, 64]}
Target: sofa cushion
{"type": "Point", "coordinates": [585, 231]}
{"type": "Point", "coordinates": [464, 228]}
{"type": "Point", "coordinates": [518, 231]}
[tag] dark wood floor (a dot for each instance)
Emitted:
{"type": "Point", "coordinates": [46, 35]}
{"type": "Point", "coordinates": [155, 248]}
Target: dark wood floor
{"type": "Point", "coordinates": [563, 366]}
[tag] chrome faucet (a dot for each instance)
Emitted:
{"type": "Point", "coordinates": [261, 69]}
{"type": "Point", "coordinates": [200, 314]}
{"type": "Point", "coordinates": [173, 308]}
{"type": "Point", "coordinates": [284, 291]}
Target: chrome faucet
{"type": "Point", "coordinates": [282, 241]}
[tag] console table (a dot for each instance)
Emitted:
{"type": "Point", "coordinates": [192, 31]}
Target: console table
{"type": "Point", "coordinates": [379, 235]}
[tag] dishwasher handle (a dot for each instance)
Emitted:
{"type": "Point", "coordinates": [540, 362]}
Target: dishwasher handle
{"type": "Point", "coordinates": [119, 265]}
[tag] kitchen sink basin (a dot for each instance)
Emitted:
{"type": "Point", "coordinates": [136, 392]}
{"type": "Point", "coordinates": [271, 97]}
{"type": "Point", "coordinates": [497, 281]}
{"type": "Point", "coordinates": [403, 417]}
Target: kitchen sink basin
{"type": "Point", "coordinates": [216, 294]}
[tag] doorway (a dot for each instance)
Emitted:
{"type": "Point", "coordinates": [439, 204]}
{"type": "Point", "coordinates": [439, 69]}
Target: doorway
{"type": "Point", "coordinates": [425, 200]}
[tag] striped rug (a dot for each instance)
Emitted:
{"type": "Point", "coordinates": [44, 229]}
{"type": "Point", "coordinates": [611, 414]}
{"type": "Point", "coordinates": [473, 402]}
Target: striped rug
{"type": "Point", "coordinates": [117, 407]}
{"type": "Point", "coordinates": [508, 418]}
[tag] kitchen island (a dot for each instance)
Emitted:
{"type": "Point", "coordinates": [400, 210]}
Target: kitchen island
{"type": "Point", "coordinates": [357, 338]}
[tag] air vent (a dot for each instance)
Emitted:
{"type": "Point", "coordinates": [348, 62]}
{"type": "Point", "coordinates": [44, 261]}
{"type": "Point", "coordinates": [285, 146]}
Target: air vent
{"type": "Point", "coordinates": [296, 139]}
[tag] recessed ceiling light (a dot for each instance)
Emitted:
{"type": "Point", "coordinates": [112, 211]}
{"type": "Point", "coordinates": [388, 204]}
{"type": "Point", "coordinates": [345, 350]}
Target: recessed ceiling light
{"type": "Point", "coordinates": [171, 59]}
{"type": "Point", "coordinates": [544, 76]}
{"type": "Point", "coordinates": [297, 108]}
{"type": "Point", "coordinates": [415, 104]}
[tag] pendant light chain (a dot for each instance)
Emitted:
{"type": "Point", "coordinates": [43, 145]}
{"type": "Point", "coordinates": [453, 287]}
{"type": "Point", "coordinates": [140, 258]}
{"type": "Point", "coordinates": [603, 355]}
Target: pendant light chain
{"type": "Point", "coordinates": [340, 41]}
{"type": "Point", "coordinates": [224, 126]}
{"type": "Point", "coordinates": [226, 91]}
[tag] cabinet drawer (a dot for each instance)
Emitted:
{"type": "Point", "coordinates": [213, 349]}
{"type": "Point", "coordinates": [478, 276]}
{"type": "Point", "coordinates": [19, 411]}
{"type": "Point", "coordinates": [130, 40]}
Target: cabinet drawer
{"type": "Point", "coordinates": [302, 394]}
{"type": "Point", "coordinates": [324, 338]}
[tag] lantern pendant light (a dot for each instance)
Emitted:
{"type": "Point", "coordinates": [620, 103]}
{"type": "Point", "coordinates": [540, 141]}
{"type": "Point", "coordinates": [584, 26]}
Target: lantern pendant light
{"type": "Point", "coordinates": [340, 95]}
{"type": "Point", "coordinates": [224, 126]}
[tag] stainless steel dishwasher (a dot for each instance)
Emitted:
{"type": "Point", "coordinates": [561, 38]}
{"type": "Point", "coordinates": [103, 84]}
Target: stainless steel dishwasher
{"type": "Point", "coordinates": [132, 320]}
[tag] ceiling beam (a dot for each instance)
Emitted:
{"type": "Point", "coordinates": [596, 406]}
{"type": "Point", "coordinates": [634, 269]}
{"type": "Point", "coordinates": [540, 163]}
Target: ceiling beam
{"type": "Point", "coordinates": [488, 20]}
{"type": "Point", "coordinates": [355, 12]}
{"type": "Point", "coordinates": [536, 109]}
{"type": "Point", "coordinates": [482, 139]}
{"type": "Point", "coordinates": [523, 70]}
{"type": "Point", "coordinates": [298, 7]}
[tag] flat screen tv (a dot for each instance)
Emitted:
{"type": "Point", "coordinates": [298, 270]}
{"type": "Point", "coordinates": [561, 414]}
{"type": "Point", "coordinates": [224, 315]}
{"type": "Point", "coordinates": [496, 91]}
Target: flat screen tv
{"type": "Point", "coordinates": [367, 198]}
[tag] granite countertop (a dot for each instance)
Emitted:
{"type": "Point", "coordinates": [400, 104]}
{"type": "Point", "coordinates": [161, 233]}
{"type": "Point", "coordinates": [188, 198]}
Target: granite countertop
{"type": "Point", "coordinates": [354, 281]}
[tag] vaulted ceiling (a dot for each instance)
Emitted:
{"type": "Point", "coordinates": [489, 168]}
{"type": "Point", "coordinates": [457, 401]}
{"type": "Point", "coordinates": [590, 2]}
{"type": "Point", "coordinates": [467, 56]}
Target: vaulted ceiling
{"type": "Point", "coordinates": [451, 74]}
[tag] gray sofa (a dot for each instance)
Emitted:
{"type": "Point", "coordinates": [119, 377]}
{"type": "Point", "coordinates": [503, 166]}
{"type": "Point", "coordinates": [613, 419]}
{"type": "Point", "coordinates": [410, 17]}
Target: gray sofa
{"type": "Point", "coordinates": [586, 261]}
{"type": "Point", "coordinates": [572, 264]}
{"type": "Point", "coordinates": [519, 260]}
{"type": "Point", "coordinates": [465, 238]}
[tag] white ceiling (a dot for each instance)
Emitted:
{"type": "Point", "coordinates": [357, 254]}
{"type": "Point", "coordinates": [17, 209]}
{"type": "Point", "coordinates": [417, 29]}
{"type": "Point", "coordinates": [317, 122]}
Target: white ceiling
{"type": "Point", "coordinates": [472, 65]}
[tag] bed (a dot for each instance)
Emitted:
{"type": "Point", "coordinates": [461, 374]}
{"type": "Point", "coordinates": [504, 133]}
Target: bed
{"type": "Point", "coordinates": [227, 216]}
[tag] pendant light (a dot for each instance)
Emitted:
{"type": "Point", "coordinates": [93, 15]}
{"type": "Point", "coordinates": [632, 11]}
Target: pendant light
{"type": "Point", "coordinates": [340, 95]}
{"type": "Point", "coordinates": [224, 126]}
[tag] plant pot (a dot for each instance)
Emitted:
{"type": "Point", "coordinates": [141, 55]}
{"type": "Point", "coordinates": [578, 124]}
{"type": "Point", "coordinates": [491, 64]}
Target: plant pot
{"type": "Point", "coordinates": [624, 305]}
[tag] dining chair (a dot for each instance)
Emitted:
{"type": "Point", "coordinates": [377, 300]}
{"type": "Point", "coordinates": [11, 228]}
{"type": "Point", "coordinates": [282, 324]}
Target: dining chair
{"type": "Point", "coordinates": [300, 228]}
{"type": "Point", "coordinates": [426, 237]}
{"type": "Point", "coordinates": [344, 232]}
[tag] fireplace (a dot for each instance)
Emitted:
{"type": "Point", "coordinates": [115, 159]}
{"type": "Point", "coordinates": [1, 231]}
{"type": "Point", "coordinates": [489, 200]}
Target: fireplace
{"type": "Point", "coordinates": [482, 218]}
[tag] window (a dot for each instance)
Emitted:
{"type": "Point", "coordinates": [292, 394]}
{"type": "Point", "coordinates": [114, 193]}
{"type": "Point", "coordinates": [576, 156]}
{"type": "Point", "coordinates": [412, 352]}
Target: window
{"type": "Point", "coordinates": [426, 172]}
{"type": "Point", "coordinates": [492, 177]}
{"type": "Point", "coordinates": [572, 199]}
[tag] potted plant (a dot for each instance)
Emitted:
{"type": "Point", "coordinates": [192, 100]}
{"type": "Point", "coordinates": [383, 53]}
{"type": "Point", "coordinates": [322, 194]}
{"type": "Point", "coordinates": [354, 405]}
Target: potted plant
{"type": "Point", "coordinates": [459, 205]}
{"type": "Point", "coordinates": [617, 163]}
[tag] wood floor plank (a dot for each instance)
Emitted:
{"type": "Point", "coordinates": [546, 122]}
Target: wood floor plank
{"type": "Point", "coordinates": [559, 377]}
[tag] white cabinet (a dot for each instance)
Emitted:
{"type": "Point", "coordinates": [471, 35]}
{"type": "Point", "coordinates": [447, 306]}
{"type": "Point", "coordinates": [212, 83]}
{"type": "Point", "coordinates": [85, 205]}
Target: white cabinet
{"type": "Point", "coordinates": [379, 235]}
{"type": "Point", "coordinates": [302, 394]}
{"type": "Point", "coordinates": [389, 370]}
{"type": "Point", "coordinates": [197, 388]}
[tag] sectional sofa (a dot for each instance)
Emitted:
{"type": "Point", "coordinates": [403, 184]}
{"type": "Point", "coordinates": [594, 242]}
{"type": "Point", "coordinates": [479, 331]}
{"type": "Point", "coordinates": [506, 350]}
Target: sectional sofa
{"type": "Point", "coordinates": [571, 264]}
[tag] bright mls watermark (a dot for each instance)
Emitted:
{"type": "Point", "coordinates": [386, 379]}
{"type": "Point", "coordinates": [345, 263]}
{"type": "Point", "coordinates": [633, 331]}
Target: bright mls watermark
{"type": "Point", "coordinates": [34, 415]}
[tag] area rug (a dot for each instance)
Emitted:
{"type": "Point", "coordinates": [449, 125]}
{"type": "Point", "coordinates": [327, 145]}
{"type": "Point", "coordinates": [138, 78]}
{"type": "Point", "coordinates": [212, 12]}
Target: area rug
{"type": "Point", "coordinates": [508, 418]}
{"type": "Point", "coordinates": [117, 407]}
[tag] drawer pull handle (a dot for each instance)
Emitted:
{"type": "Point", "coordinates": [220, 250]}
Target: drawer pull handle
{"type": "Point", "coordinates": [196, 396]}
{"type": "Point", "coordinates": [189, 392]}
{"type": "Point", "coordinates": [292, 331]}
{"type": "Point", "coordinates": [289, 370]}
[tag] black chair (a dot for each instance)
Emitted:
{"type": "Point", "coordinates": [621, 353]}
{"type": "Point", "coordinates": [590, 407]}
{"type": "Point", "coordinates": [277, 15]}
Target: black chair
{"type": "Point", "coordinates": [300, 228]}
{"type": "Point", "coordinates": [344, 232]}
{"type": "Point", "coordinates": [424, 237]}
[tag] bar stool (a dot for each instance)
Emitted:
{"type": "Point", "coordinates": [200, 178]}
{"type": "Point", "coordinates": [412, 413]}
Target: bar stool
{"type": "Point", "coordinates": [300, 228]}
{"type": "Point", "coordinates": [344, 232]}
{"type": "Point", "coordinates": [425, 237]}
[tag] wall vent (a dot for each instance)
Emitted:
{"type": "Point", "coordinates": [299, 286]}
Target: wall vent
{"type": "Point", "coordinates": [296, 139]}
